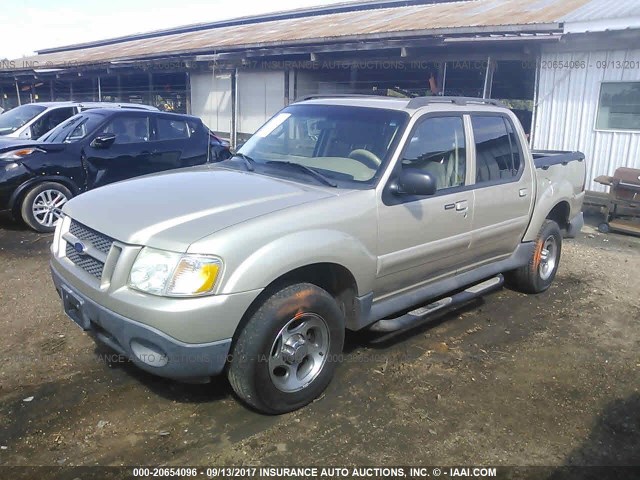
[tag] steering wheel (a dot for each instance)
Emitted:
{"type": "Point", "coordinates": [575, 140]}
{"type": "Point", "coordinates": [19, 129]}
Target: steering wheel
{"type": "Point", "coordinates": [366, 157]}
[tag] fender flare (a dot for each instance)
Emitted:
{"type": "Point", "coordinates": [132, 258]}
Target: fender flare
{"type": "Point", "coordinates": [14, 200]}
{"type": "Point", "coordinates": [546, 201]}
{"type": "Point", "coordinates": [301, 249]}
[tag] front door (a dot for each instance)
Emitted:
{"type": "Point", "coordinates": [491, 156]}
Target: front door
{"type": "Point", "coordinates": [421, 239]}
{"type": "Point", "coordinates": [129, 155]}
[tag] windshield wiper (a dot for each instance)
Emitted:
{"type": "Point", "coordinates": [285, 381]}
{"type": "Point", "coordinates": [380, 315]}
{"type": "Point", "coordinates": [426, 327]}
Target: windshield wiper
{"type": "Point", "coordinates": [249, 162]}
{"type": "Point", "coordinates": [311, 171]}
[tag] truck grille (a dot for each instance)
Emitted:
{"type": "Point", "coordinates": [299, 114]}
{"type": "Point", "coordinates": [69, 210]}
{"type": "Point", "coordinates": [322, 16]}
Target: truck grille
{"type": "Point", "coordinates": [99, 241]}
{"type": "Point", "coordinates": [88, 264]}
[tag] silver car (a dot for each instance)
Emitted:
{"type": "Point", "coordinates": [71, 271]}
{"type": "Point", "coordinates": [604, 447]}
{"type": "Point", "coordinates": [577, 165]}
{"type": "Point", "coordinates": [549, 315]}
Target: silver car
{"type": "Point", "coordinates": [32, 120]}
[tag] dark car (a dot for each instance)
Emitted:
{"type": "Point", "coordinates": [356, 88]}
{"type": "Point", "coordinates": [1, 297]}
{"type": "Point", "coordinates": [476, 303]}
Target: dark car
{"type": "Point", "coordinates": [92, 149]}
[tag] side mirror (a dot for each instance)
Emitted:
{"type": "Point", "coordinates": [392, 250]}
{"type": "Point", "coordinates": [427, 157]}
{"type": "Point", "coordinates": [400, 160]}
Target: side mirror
{"type": "Point", "coordinates": [104, 140]}
{"type": "Point", "coordinates": [415, 182]}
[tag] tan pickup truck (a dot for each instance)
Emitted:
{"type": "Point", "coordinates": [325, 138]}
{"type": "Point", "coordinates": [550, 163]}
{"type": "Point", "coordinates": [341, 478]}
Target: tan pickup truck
{"type": "Point", "coordinates": [339, 213]}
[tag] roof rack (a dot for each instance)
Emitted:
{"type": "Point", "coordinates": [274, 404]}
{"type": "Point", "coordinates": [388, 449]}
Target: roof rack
{"type": "Point", "coordinates": [418, 102]}
{"type": "Point", "coordinates": [343, 95]}
{"type": "Point", "coordinates": [415, 102]}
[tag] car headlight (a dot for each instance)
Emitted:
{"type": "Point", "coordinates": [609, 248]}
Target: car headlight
{"type": "Point", "coordinates": [160, 272]}
{"type": "Point", "coordinates": [18, 154]}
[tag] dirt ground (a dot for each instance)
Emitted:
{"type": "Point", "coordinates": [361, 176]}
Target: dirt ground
{"type": "Point", "coordinates": [551, 379]}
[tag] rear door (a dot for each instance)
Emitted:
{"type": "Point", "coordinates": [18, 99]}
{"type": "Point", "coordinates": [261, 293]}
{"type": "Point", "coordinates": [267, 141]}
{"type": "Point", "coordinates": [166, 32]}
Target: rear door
{"type": "Point", "coordinates": [503, 188]}
{"type": "Point", "coordinates": [178, 142]}
{"type": "Point", "coordinates": [423, 238]}
{"type": "Point", "coordinates": [129, 155]}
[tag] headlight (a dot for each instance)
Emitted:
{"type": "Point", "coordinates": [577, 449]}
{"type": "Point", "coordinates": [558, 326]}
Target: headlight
{"type": "Point", "coordinates": [18, 154]}
{"type": "Point", "coordinates": [173, 274]}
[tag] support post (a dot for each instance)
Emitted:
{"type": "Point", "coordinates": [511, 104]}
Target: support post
{"type": "Point", "coordinates": [444, 79]}
{"type": "Point", "coordinates": [234, 109]}
{"type": "Point", "coordinates": [18, 93]}
{"type": "Point", "coordinates": [488, 78]}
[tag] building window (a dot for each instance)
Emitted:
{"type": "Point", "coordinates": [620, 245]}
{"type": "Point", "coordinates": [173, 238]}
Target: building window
{"type": "Point", "coordinates": [619, 106]}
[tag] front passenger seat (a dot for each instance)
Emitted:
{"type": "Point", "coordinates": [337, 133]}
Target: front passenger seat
{"type": "Point", "coordinates": [438, 173]}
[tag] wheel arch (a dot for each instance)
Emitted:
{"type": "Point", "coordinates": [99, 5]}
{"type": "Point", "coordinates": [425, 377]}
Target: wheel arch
{"type": "Point", "coordinates": [558, 210]}
{"type": "Point", "coordinates": [19, 193]}
{"type": "Point", "coordinates": [334, 278]}
{"type": "Point", "coordinates": [560, 214]}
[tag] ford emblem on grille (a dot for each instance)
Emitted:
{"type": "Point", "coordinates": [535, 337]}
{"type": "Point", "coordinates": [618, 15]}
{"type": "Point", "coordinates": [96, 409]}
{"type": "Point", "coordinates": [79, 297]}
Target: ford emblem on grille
{"type": "Point", "coordinates": [80, 247]}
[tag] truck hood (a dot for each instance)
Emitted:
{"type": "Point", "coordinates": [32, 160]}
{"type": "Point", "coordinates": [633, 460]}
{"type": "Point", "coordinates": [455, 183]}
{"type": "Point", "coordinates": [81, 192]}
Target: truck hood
{"type": "Point", "coordinates": [174, 209]}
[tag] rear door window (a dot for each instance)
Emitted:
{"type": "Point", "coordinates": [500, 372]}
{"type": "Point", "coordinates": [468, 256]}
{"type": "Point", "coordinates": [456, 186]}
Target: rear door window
{"type": "Point", "coordinates": [497, 153]}
{"type": "Point", "coordinates": [129, 129]}
{"type": "Point", "coordinates": [172, 129]}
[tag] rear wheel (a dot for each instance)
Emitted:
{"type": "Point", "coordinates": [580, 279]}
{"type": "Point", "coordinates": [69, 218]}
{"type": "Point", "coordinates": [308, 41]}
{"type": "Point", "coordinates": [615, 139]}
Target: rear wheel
{"type": "Point", "coordinates": [42, 206]}
{"type": "Point", "coordinates": [538, 274]}
{"type": "Point", "coordinates": [285, 356]}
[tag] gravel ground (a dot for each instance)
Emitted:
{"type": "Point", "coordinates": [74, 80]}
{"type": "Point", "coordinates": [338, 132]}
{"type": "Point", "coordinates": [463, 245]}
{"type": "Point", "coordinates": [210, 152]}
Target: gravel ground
{"type": "Point", "coordinates": [550, 380]}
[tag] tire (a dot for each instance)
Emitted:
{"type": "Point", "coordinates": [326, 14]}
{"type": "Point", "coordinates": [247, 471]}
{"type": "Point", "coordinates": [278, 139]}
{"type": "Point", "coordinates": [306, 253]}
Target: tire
{"type": "Point", "coordinates": [538, 274]}
{"type": "Point", "coordinates": [41, 206]}
{"type": "Point", "coordinates": [286, 354]}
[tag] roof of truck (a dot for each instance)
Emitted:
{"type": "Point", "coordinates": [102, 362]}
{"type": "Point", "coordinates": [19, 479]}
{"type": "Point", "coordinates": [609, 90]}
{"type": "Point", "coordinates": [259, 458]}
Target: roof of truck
{"type": "Point", "coordinates": [396, 103]}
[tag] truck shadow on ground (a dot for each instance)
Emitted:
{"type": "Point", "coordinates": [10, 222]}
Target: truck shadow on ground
{"type": "Point", "coordinates": [7, 222]}
{"type": "Point", "coordinates": [17, 238]}
{"type": "Point", "coordinates": [217, 389]}
{"type": "Point", "coordinates": [614, 441]}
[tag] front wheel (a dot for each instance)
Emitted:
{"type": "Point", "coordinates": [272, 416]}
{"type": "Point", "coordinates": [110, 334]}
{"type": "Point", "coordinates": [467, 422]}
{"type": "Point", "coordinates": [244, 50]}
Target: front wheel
{"type": "Point", "coordinates": [286, 354]}
{"type": "Point", "coordinates": [42, 206]}
{"type": "Point", "coordinates": [538, 274]}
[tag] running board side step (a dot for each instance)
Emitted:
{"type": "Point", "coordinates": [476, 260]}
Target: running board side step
{"type": "Point", "coordinates": [418, 315]}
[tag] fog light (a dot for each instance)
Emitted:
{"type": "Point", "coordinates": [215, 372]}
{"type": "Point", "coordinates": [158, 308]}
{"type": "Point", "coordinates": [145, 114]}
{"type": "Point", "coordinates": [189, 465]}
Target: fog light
{"type": "Point", "coordinates": [149, 354]}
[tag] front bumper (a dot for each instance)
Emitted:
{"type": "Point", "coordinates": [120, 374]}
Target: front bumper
{"type": "Point", "coordinates": [149, 348]}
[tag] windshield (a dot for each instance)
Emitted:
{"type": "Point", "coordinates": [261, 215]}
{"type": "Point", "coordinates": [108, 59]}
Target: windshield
{"type": "Point", "coordinates": [15, 118]}
{"type": "Point", "coordinates": [74, 129]}
{"type": "Point", "coordinates": [342, 143]}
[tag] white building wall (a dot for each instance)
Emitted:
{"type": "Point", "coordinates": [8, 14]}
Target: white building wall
{"type": "Point", "coordinates": [260, 95]}
{"type": "Point", "coordinates": [211, 100]}
{"type": "Point", "coordinates": [567, 106]}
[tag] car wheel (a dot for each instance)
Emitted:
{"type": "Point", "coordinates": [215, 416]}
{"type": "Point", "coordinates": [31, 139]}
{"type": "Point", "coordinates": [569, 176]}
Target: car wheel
{"type": "Point", "coordinates": [42, 206]}
{"type": "Point", "coordinates": [287, 352]}
{"type": "Point", "coordinates": [538, 274]}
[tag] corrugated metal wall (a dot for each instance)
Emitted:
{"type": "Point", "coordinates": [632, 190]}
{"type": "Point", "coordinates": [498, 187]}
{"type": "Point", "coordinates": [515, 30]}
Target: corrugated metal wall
{"type": "Point", "coordinates": [211, 100]}
{"type": "Point", "coordinates": [260, 95]}
{"type": "Point", "coordinates": [568, 103]}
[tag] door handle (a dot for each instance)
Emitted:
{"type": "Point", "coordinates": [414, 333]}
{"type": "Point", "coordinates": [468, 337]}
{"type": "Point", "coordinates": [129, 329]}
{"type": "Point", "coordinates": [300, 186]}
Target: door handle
{"type": "Point", "coordinates": [523, 192]}
{"type": "Point", "coordinates": [462, 206]}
